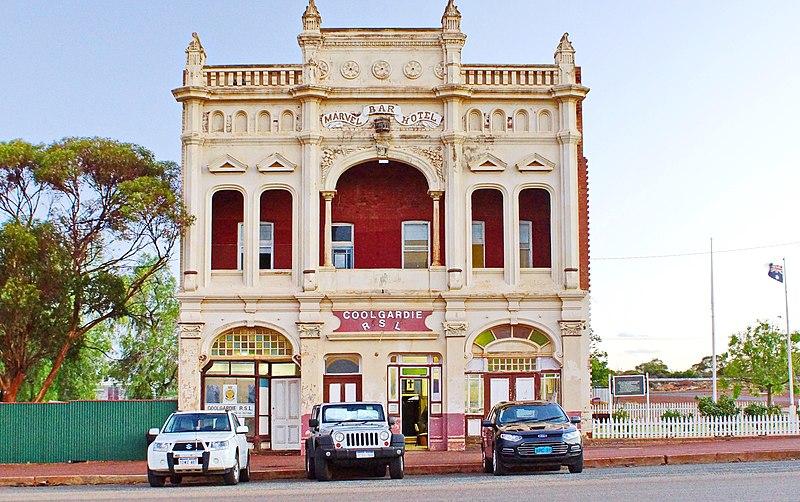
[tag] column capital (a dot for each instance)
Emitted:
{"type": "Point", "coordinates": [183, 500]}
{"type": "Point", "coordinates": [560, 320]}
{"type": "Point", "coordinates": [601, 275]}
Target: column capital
{"type": "Point", "coordinates": [309, 329]}
{"type": "Point", "coordinates": [436, 194]}
{"type": "Point", "coordinates": [455, 329]}
{"type": "Point", "coordinates": [572, 327]}
{"type": "Point", "coordinates": [328, 195]}
{"type": "Point", "coordinates": [188, 330]}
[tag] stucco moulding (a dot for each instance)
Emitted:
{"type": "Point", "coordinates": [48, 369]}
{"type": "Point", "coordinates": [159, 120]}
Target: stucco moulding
{"type": "Point", "coordinates": [487, 163]}
{"type": "Point", "coordinates": [535, 163]}
{"type": "Point", "coordinates": [227, 164]}
{"type": "Point", "coordinates": [276, 163]}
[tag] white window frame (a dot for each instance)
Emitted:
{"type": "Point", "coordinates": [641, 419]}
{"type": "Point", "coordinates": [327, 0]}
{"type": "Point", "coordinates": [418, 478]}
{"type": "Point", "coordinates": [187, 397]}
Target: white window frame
{"type": "Point", "coordinates": [529, 225]}
{"type": "Point", "coordinates": [482, 226]}
{"type": "Point", "coordinates": [240, 246]}
{"type": "Point", "coordinates": [269, 244]}
{"type": "Point", "coordinates": [347, 246]}
{"type": "Point", "coordinates": [419, 248]}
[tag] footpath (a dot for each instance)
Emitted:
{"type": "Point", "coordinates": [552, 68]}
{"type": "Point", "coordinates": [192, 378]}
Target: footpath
{"type": "Point", "coordinates": [598, 454]}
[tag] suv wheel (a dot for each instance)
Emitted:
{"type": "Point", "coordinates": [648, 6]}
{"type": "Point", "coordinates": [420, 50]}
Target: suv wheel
{"type": "Point", "coordinates": [175, 480]}
{"type": "Point", "coordinates": [497, 465]}
{"type": "Point", "coordinates": [244, 474]}
{"type": "Point", "coordinates": [487, 464]}
{"type": "Point", "coordinates": [577, 466]}
{"type": "Point", "coordinates": [232, 477]}
{"type": "Point", "coordinates": [310, 469]}
{"type": "Point", "coordinates": [322, 468]}
{"type": "Point", "coordinates": [155, 480]}
{"type": "Point", "coordinates": [396, 468]}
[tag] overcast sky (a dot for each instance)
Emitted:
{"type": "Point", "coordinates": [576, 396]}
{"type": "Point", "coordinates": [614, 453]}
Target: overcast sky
{"type": "Point", "coordinates": [690, 127]}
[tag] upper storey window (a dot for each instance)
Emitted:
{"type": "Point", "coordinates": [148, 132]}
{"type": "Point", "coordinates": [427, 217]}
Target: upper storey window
{"type": "Point", "coordinates": [342, 234]}
{"type": "Point", "coordinates": [416, 244]}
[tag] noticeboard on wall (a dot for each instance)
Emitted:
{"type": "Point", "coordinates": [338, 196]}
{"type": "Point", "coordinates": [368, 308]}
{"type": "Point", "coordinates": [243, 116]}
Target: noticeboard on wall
{"type": "Point", "coordinates": [630, 385]}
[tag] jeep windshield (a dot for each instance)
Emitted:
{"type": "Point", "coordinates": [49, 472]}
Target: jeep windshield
{"type": "Point", "coordinates": [345, 412]}
{"type": "Point", "coordinates": [532, 413]}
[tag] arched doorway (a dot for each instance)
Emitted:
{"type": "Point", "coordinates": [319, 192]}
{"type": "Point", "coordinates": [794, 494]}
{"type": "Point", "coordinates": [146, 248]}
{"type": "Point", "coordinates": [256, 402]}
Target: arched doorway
{"type": "Point", "coordinates": [509, 362]}
{"type": "Point", "coordinates": [251, 372]}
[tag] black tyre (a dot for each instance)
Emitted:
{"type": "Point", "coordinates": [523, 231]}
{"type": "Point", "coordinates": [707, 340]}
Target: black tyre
{"type": "Point", "coordinates": [498, 469]}
{"type": "Point", "coordinates": [487, 463]}
{"type": "Point", "coordinates": [155, 480]}
{"type": "Point", "coordinates": [232, 477]}
{"type": "Point", "coordinates": [175, 480]}
{"type": "Point", "coordinates": [396, 468]}
{"type": "Point", "coordinates": [310, 469]}
{"type": "Point", "coordinates": [322, 468]}
{"type": "Point", "coordinates": [577, 467]}
{"type": "Point", "coordinates": [244, 474]}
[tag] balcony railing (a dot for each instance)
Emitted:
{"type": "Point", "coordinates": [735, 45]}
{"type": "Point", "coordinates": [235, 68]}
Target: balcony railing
{"type": "Point", "coordinates": [253, 76]}
{"type": "Point", "coordinates": [511, 76]}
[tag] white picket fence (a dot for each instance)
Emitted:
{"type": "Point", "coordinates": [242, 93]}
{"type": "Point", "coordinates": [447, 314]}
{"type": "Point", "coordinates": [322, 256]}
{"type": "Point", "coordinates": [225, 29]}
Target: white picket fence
{"type": "Point", "coordinates": [638, 411]}
{"type": "Point", "coordinates": [696, 427]}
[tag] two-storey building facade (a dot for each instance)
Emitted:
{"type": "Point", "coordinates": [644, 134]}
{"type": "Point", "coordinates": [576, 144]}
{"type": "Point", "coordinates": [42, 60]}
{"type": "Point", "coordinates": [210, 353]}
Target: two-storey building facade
{"type": "Point", "coordinates": [383, 222]}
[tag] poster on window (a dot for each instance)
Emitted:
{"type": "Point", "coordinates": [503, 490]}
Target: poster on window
{"type": "Point", "coordinates": [229, 393]}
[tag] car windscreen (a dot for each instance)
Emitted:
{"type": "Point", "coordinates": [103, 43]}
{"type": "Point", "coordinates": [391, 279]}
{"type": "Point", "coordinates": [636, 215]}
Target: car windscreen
{"type": "Point", "coordinates": [198, 422]}
{"type": "Point", "coordinates": [352, 413]}
{"type": "Point", "coordinates": [532, 413]}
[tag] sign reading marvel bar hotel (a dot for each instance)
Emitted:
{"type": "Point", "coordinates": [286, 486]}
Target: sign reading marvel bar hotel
{"type": "Point", "coordinates": [353, 321]}
{"type": "Point", "coordinates": [426, 118]}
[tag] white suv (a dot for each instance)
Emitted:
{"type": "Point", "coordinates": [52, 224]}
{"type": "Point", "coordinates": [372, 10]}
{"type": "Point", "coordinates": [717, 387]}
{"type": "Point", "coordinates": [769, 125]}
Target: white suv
{"type": "Point", "coordinates": [197, 443]}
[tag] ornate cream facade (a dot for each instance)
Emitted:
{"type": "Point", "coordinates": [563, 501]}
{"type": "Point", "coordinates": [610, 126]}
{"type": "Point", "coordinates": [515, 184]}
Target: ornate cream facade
{"type": "Point", "coordinates": [383, 222]}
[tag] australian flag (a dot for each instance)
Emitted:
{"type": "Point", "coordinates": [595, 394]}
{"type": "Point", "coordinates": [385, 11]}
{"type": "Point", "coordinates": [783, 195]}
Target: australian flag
{"type": "Point", "coordinates": [776, 272]}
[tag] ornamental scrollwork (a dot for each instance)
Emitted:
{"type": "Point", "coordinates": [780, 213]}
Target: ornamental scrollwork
{"type": "Point", "coordinates": [572, 328]}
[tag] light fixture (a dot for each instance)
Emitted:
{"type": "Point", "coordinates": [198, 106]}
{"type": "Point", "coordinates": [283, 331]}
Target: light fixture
{"type": "Point", "coordinates": [383, 161]}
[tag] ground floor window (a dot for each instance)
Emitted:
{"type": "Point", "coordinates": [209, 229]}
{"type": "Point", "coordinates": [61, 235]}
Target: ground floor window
{"type": "Point", "coordinates": [414, 395]}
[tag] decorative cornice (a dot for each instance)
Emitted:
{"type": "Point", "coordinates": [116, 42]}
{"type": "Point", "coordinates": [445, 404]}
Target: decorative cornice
{"type": "Point", "coordinates": [309, 329]}
{"type": "Point", "coordinates": [190, 330]}
{"type": "Point", "coordinates": [455, 329]}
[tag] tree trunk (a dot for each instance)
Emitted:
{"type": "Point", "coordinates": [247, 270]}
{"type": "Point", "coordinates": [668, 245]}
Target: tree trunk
{"type": "Point", "coordinates": [10, 393]}
{"type": "Point", "coordinates": [62, 354]}
{"type": "Point", "coordinates": [769, 396]}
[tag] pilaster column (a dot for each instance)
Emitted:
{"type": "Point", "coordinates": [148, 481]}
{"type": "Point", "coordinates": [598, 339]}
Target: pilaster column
{"type": "Point", "coordinates": [437, 247]}
{"type": "Point", "coordinates": [311, 365]}
{"type": "Point", "coordinates": [328, 196]}
{"type": "Point", "coordinates": [575, 374]}
{"type": "Point", "coordinates": [189, 344]}
{"type": "Point", "coordinates": [455, 433]}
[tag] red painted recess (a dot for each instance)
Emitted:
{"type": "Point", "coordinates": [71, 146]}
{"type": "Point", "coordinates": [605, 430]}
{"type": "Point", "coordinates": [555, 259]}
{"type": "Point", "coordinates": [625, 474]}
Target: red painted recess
{"type": "Point", "coordinates": [487, 206]}
{"type": "Point", "coordinates": [276, 208]}
{"type": "Point", "coordinates": [227, 210]}
{"type": "Point", "coordinates": [534, 206]}
{"type": "Point", "coordinates": [377, 199]}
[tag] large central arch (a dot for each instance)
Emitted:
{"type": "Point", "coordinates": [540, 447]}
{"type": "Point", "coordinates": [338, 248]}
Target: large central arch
{"type": "Point", "coordinates": [419, 162]}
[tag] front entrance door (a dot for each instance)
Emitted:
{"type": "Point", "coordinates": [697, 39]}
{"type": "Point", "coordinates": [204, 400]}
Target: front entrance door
{"type": "Point", "coordinates": [510, 388]}
{"type": "Point", "coordinates": [414, 410]}
{"type": "Point", "coordinates": [285, 414]}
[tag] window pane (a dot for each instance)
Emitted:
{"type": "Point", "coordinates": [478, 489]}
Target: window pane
{"type": "Point", "coordinates": [342, 233]}
{"type": "Point", "coordinates": [343, 257]}
{"type": "Point", "coordinates": [525, 248]}
{"type": "Point", "coordinates": [265, 231]}
{"type": "Point", "coordinates": [284, 369]}
{"type": "Point", "coordinates": [221, 368]}
{"type": "Point", "coordinates": [477, 232]}
{"type": "Point", "coordinates": [393, 394]}
{"type": "Point", "coordinates": [415, 260]}
{"type": "Point", "coordinates": [416, 232]}
{"type": "Point", "coordinates": [243, 368]}
{"type": "Point", "coordinates": [265, 260]}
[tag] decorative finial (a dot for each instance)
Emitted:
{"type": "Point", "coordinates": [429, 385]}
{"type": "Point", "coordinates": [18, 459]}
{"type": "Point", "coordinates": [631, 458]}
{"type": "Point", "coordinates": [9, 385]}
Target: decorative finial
{"type": "Point", "coordinates": [195, 54]}
{"type": "Point", "coordinates": [565, 59]}
{"type": "Point", "coordinates": [451, 19]}
{"type": "Point", "coordinates": [311, 18]}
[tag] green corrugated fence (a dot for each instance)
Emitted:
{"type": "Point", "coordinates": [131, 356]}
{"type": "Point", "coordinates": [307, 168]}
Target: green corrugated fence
{"type": "Point", "coordinates": [79, 430]}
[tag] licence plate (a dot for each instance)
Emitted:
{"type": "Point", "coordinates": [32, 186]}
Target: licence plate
{"type": "Point", "coordinates": [543, 450]}
{"type": "Point", "coordinates": [365, 454]}
{"type": "Point", "coordinates": [187, 461]}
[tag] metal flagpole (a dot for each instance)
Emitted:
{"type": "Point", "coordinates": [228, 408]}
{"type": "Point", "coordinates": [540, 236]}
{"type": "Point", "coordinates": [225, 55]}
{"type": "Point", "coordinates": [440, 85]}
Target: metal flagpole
{"type": "Point", "coordinates": [713, 336]}
{"type": "Point", "coordinates": [788, 341]}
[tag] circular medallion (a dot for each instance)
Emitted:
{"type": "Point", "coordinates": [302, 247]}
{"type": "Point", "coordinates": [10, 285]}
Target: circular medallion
{"type": "Point", "coordinates": [324, 68]}
{"type": "Point", "coordinates": [439, 69]}
{"type": "Point", "coordinates": [350, 69]}
{"type": "Point", "coordinates": [381, 69]}
{"type": "Point", "coordinates": [412, 69]}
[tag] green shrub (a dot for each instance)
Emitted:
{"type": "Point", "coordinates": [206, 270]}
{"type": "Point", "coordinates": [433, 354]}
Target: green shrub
{"type": "Point", "coordinates": [761, 409]}
{"type": "Point", "coordinates": [672, 414]}
{"type": "Point", "coordinates": [724, 407]}
{"type": "Point", "coordinates": [620, 415]}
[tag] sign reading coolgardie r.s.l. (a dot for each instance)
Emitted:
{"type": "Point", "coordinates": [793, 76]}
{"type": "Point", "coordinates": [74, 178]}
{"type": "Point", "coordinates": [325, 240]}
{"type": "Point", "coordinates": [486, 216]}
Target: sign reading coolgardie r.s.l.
{"type": "Point", "coordinates": [358, 321]}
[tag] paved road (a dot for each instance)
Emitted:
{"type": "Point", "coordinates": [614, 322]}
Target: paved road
{"type": "Point", "coordinates": [773, 481]}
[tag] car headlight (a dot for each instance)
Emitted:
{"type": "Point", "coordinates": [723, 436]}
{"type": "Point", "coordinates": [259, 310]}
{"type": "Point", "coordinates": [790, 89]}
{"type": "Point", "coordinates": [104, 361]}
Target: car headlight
{"type": "Point", "coordinates": [572, 436]}
{"type": "Point", "coordinates": [217, 445]}
{"type": "Point", "coordinates": [384, 435]}
{"type": "Point", "coordinates": [338, 437]}
{"type": "Point", "coordinates": [510, 437]}
{"type": "Point", "coordinates": [161, 446]}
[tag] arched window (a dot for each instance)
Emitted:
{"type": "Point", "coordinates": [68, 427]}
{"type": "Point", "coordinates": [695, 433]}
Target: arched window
{"type": "Point", "coordinates": [342, 364]}
{"type": "Point", "coordinates": [257, 342]}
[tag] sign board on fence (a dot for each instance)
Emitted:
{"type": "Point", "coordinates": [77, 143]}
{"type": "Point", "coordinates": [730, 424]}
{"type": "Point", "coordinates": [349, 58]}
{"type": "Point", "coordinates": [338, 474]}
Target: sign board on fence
{"type": "Point", "coordinates": [629, 385]}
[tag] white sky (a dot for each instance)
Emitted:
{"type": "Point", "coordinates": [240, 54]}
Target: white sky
{"type": "Point", "coordinates": [689, 127]}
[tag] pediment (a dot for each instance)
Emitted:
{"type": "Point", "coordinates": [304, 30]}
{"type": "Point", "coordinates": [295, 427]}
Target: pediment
{"type": "Point", "coordinates": [487, 163]}
{"type": "Point", "coordinates": [227, 164]}
{"type": "Point", "coordinates": [535, 162]}
{"type": "Point", "coordinates": [276, 163]}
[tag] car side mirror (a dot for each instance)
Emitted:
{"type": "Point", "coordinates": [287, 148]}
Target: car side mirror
{"type": "Point", "coordinates": [242, 429]}
{"type": "Point", "coordinates": [391, 421]}
{"type": "Point", "coordinates": [153, 432]}
{"type": "Point", "coordinates": [575, 420]}
{"type": "Point", "coordinates": [487, 423]}
{"type": "Point", "coordinates": [313, 423]}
